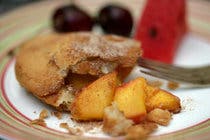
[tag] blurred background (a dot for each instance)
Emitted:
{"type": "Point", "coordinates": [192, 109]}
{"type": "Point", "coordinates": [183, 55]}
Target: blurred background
{"type": "Point", "coordinates": [6, 5]}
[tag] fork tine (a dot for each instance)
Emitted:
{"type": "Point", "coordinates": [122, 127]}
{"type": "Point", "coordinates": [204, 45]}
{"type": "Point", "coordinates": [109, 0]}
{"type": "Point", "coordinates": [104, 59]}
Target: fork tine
{"type": "Point", "coordinates": [178, 78]}
{"type": "Point", "coordinates": [154, 64]}
{"type": "Point", "coordinates": [199, 76]}
{"type": "Point", "coordinates": [161, 67]}
{"type": "Point", "coordinates": [166, 76]}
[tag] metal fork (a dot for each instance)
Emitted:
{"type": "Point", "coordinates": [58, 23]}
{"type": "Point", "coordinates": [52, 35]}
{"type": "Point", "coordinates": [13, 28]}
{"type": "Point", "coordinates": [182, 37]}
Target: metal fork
{"type": "Point", "coordinates": [197, 77]}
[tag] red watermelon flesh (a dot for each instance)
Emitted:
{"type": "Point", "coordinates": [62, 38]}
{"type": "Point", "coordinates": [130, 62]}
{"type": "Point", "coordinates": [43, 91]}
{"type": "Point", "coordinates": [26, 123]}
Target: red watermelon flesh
{"type": "Point", "coordinates": [161, 28]}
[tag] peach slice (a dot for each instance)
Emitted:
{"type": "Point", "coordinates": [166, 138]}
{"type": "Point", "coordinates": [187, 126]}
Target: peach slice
{"type": "Point", "coordinates": [158, 98]}
{"type": "Point", "coordinates": [130, 99]}
{"type": "Point", "coordinates": [90, 102]}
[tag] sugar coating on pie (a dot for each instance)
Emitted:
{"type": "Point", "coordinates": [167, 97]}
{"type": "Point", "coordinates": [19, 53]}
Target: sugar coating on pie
{"type": "Point", "coordinates": [51, 66]}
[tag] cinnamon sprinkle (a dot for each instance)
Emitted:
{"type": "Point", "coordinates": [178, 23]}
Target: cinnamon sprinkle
{"type": "Point", "coordinates": [172, 85]}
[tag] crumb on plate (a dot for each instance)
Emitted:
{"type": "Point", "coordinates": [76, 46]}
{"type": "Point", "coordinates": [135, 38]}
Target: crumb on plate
{"type": "Point", "coordinates": [73, 131]}
{"type": "Point", "coordinates": [89, 126]}
{"type": "Point", "coordinates": [40, 122]}
{"type": "Point", "coordinates": [140, 131]}
{"type": "Point", "coordinates": [159, 116]}
{"type": "Point", "coordinates": [114, 121]}
{"type": "Point", "coordinates": [43, 114]}
{"type": "Point", "coordinates": [57, 114]}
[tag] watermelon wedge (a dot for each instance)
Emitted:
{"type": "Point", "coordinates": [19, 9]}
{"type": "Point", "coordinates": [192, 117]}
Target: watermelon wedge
{"type": "Point", "coordinates": [161, 28]}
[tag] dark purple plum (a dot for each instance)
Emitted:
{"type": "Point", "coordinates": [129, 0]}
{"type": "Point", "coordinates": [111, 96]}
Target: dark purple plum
{"type": "Point", "coordinates": [71, 18]}
{"type": "Point", "coordinates": [115, 19]}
